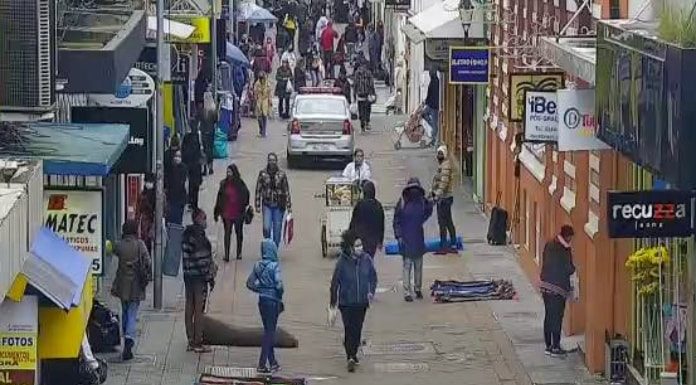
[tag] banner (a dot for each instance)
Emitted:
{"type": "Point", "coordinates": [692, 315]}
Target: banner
{"type": "Point", "coordinates": [649, 214]}
{"type": "Point", "coordinates": [540, 116]}
{"type": "Point", "coordinates": [577, 123]}
{"type": "Point", "coordinates": [469, 65]}
{"type": "Point", "coordinates": [202, 33]}
{"type": "Point", "coordinates": [18, 341]}
{"type": "Point", "coordinates": [77, 216]}
{"type": "Point", "coordinates": [523, 82]}
{"type": "Point", "coordinates": [135, 91]}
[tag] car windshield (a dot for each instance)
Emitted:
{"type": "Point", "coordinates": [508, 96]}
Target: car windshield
{"type": "Point", "coordinates": [328, 106]}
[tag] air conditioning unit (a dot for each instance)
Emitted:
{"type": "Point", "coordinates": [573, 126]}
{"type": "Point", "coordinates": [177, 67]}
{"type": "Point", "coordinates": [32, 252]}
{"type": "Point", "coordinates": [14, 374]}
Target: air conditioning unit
{"type": "Point", "coordinates": [27, 62]}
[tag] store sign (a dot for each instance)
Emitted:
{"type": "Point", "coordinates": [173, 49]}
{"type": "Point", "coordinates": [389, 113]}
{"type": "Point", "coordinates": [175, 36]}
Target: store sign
{"type": "Point", "coordinates": [18, 341]}
{"type": "Point", "coordinates": [577, 123]}
{"type": "Point", "coordinates": [135, 91]}
{"type": "Point", "coordinates": [180, 64]}
{"type": "Point", "coordinates": [77, 216]}
{"type": "Point", "coordinates": [469, 65]}
{"type": "Point", "coordinates": [523, 82]}
{"type": "Point", "coordinates": [398, 5]}
{"type": "Point", "coordinates": [201, 35]}
{"type": "Point", "coordinates": [649, 214]}
{"type": "Point", "coordinates": [540, 116]}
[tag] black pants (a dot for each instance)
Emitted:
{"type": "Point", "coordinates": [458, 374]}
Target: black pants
{"type": "Point", "coordinates": [364, 111]}
{"type": "Point", "coordinates": [238, 225]}
{"type": "Point", "coordinates": [353, 318]}
{"type": "Point", "coordinates": [193, 194]}
{"type": "Point", "coordinates": [327, 57]}
{"type": "Point", "coordinates": [445, 222]}
{"type": "Point", "coordinates": [284, 105]}
{"type": "Point", "coordinates": [554, 309]}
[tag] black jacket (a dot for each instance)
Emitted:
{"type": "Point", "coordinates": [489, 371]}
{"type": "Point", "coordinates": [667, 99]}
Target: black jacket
{"type": "Point", "coordinates": [221, 199]}
{"type": "Point", "coordinates": [350, 33]}
{"type": "Point", "coordinates": [433, 98]}
{"type": "Point", "coordinates": [197, 254]}
{"type": "Point", "coordinates": [175, 182]}
{"type": "Point", "coordinates": [556, 269]}
{"type": "Point", "coordinates": [368, 217]}
{"type": "Point", "coordinates": [191, 156]}
{"type": "Point", "coordinates": [300, 78]}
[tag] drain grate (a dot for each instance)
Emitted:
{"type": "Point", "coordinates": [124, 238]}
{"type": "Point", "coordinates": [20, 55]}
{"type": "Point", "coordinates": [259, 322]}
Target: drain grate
{"type": "Point", "coordinates": [230, 372]}
{"type": "Point", "coordinates": [401, 348]}
{"type": "Point", "coordinates": [401, 367]}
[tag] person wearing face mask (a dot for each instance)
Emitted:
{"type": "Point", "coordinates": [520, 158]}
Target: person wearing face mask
{"type": "Point", "coordinates": [353, 287]}
{"type": "Point", "coordinates": [273, 196]}
{"type": "Point", "coordinates": [231, 203]}
{"type": "Point", "coordinates": [174, 146]}
{"type": "Point", "coordinates": [263, 95]}
{"type": "Point", "coordinates": [145, 212]}
{"type": "Point", "coordinates": [358, 170]}
{"type": "Point", "coordinates": [175, 187]}
{"type": "Point", "coordinates": [367, 220]}
{"type": "Point", "coordinates": [441, 193]}
{"type": "Point", "coordinates": [199, 272]}
{"type": "Point", "coordinates": [411, 213]}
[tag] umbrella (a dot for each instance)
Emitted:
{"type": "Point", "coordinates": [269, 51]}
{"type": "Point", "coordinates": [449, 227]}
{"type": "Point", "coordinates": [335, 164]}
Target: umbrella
{"type": "Point", "coordinates": [253, 13]}
{"type": "Point", "coordinates": [234, 55]}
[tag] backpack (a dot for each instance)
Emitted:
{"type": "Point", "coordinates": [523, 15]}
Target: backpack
{"type": "Point", "coordinates": [103, 330]}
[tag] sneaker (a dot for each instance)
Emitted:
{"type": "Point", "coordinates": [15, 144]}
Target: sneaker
{"type": "Point", "coordinates": [127, 353]}
{"type": "Point", "coordinates": [262, 370]}
{"type": "Point", "coordinates": [408, 298]}
{"type": "Point", "coordinates": [558, 352]}
{"type": "Point", "coordinates": [547, 351]}
{"type": "Point", "coordinates": [351, 365]}
{"type": "Point", "coordinates": [419, 294]}
{"type": "Point", "coordinates": [357, 361]}
{"type": "Point", "coordinates": [275, 368]}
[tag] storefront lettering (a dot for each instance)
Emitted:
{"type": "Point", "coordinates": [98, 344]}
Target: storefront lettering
{"type": "Point", "coordinates": [16, 341]}
{"type": "Point", "coordinates": [662, 211]}
{"type": "Point", "coordinates": [72, 223]}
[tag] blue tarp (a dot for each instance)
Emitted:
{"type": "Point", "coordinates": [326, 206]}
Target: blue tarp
{"type": "Point", "coordinates": [76, 148]}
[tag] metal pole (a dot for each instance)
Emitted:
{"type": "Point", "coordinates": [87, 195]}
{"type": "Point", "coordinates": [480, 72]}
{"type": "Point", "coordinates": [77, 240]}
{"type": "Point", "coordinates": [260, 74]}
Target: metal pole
{"type": "Point", "coordinates": [159, 156]}
{"type": "Point", "coordinates": [213, 56]}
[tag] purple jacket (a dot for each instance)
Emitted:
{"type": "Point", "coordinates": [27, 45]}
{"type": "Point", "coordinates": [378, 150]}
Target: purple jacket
{"type": "Point", "coordinates": [411, 213]}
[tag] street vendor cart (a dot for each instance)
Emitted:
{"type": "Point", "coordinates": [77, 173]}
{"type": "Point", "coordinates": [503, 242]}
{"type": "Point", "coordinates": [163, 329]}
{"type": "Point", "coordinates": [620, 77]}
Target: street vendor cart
{"type": "Point", "coordinates": [341, 194]}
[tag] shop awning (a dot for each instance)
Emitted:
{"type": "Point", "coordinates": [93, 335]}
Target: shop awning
{"type": "Point", "coordinates": [442, 21]}
{"type": "Point", "coordinates": [56, 270]}
{"type": "Point", "coordinates": [413, 33]}
{"type": "Point", "coordinates": [73, 148]}
{"type": "Point", "coordinates": [576, 55]}
{"type": "Point", "coordinates": [171, 28]}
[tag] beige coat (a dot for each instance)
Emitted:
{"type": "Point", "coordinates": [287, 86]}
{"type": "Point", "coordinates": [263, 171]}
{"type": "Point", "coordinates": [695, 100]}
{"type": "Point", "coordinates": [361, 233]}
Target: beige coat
{"type": "Point", "coordinates": [127, 285]}
{"type": "Point", "coordinates": [263, 95]}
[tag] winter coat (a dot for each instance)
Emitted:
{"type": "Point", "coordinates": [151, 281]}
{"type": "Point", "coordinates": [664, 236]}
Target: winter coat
{"type": "Point", "coordinates": [362, 173]}
{"type": "Point", "coordinates": [239, 79]}
{"type": "Point", "coordinates": [433, 98]}
{"type": "Point", "coordinates": [265, 278]}
{"type": "Point", "coordinates": [175, 183]}
{"type": "Point", "coordinates": [411, 213]}
{"type": "Point", "coordinates": [442, 181]}
{"type": "Point", "coordinates": [354, 280]}
{"type": "Point", "coordinates": [222, 199]}
{"type": "Point", "coordinates": [191, 155]}
{"type": "Point", "coordinates": [556, 269]}
{"type": "Point", "coordinates": [344, 85]}
{"type": "Point", "coordinates": [197, 254]}
{"type": "Point", "coordinates": [262, 94]}
{"type": "Point", "coordinates": [300, 78]}
{"type": "Point", "coordinates": [368, 217]}
{"type": "Point", "coordinates": [132, 257]}
{"type": "Point", "coordinates": [145, 215]}
{"type": "Point", "coordinates": [364, 82]}
{"type": "Point", "coordinates": [350, 33]}
{"type": "Point", "coordinates": [272, 190]}
{"type": "Point", "coordinates": [283, 75]}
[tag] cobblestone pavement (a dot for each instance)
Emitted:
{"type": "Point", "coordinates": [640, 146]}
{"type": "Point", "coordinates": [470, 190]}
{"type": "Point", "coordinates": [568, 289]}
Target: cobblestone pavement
{"type": "Point", "coordinates": [479, 343]}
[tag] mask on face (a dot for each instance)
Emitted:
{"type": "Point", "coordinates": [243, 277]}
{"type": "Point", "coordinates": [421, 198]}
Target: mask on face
{"type": "Point", "coordinates": [440, 157]}
{"type": "Point", "coordinates": [177, 160]}
{"type": "Point", "coordinates": [149, 185]}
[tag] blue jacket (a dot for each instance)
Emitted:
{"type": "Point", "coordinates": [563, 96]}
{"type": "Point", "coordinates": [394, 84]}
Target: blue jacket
{"type": "Point", "coordinates": [354, 279]}
{"type": "Point", "coordinates": [239, 79]}
{"type": "Point", "coordinates": [265, 279]}
{"type": "Point", "coordinates": [411, 213]}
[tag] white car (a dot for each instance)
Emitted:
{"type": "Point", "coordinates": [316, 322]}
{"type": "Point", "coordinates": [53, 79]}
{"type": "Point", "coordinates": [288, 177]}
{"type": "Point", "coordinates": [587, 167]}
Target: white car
{"type": "Point", "coordinates": [320, 126]}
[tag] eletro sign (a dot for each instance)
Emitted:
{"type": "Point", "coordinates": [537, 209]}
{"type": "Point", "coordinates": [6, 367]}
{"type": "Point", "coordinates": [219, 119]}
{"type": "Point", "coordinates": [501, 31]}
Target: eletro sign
{"type": "Point", "coordinates": [650, 214]}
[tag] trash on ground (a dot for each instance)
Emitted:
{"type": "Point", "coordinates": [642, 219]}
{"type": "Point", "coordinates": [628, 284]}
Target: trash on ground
{"type": "Point", "coordinates": [465, 291]}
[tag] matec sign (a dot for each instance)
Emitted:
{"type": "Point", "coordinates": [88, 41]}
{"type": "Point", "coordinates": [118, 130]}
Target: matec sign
{"type": "Point", "coordinates": [650, 214]}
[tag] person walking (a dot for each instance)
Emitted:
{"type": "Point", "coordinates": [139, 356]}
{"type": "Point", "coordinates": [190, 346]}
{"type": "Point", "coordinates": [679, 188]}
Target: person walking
{"type": "Point", "coordinates": [350, 36]}
{"type": "Point", "coordinates": [205, 121]}
{"type": "Point", "coordinates": [365, 93]}
{"type": "Point", "coordinates": [326, 43]}
{"type": "Point", "coordinates": [266, 280]}
{"type": "Point", "coordinates": [374, 49]}
{"type": "Point", "coordinates": [199, 273]}
{"type": "Point", "coordinates": [411, 212]}
{"type": "Point", "coordinates": [133, 274]}
{"type": "Point", "coordinates": [272, 193]}
{"type": "Point", "coordinates": [174, 146]}
{"type": "Point", "coordinates": [367, 220]}
{"type": "Point", "coordinates": [343, 83]}
{"type": "Point", "coordinates": [283, 85]}
{"type": "Point", "coordinates": [432, 106]}
{"type": "Point", "coordinates": [300, 75]}
{"type": "Point", "coordinates": [556, 269]}
{"type": "Point", "coordinates": [441, 193]}
{"type": "Point", "coordinates": [192, 156]}
{"type": "Point", "coordinates": [231, 204]}
{"type": "Point", "coordinates": [358, 170]}
{"type": "Point", "coordinates": [353, 287]}
{"type": "Point", "coordinates": [263, 95]}
{"type": "Point", "coordinates": [175, 187]}
{"type": "Point", "coordinates": [145, 212]}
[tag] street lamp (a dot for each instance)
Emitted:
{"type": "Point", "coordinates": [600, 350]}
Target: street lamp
{"type": "Point", "coordinates": [466, 13]}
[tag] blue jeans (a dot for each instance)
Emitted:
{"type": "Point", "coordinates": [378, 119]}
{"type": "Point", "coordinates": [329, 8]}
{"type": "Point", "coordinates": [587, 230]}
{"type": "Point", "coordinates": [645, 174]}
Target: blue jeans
{"type": "Point", "coordinates": [129, 316]}
{"type": "Point", "coordinates": [175, 212]}
{"type": "Point", "coordinates": [263, 120]}
{"type": "Point", "coordinates": [270, 310]}
{"type": "Point", "coordinates": [273, 223]}
{"type": "Point", "coordinates": [430, 116]}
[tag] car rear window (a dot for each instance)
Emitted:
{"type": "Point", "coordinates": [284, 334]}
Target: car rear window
{"type": "Point", "coordinates": [320, 106]}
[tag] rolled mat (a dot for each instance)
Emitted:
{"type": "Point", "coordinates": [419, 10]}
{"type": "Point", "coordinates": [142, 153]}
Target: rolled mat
{"type": "Point", "coordinates": [431, 245]}
{"type": "Point", "coordinates": [223, 333]}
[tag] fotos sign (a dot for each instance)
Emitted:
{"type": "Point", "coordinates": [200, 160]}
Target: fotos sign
{"type": "Point", "coordinates": [19, 328]}
{"type": "Point", "coordinates": [540, 116]}
{"type": "Point", "coordinates": [649, 214]}
{"type": "Point", "coordinates": [469, 65]}
{"type": "Point", "coordinates": [577, 123]}
{"type": "Point", "coordinates": [77, 216]}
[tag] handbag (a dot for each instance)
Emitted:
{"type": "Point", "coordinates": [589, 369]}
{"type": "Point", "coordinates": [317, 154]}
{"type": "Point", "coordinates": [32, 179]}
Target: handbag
{"type": "Point", "coordinates": [289, 88]}
{"type": "Point", "coordinates": [248, 215]}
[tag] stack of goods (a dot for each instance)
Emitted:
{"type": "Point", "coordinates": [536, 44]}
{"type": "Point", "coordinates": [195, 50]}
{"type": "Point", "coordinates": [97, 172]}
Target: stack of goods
{"type": "Point", "coordinates": [465, 291]}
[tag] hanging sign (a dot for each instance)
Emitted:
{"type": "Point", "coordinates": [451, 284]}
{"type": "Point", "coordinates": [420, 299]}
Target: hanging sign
{"type": "Point", "coordinates": [18, 345]}
{"type": "Point", "coordinates": [649, 214]}
{"type": "Point", "coordinates": [202, 33]}
{"type": "Point", "coordinates": [77, 216]}
{"type": "Point", "coordinates": [577, 123]}
{"type": "Point", "coordinates": [469, 65]}
{"type": "Point", "coordinates": [523, 82]}
{"type": "Point", "coordinates": [540, 116]}
{"type": "Point", "coordinates": [135, 91]}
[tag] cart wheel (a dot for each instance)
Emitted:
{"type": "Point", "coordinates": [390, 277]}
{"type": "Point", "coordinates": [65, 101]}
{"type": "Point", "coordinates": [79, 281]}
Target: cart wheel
{"type": "Point", "coordinates": [397, 145]}
{"type": "Point", "coordinates": [324, 243]}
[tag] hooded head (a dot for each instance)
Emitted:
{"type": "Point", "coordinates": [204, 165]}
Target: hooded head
{"type": "Point", "coordinates": [441, 153]}
{"type": "Point", "coordinates": [272, 163]}
{"type": "Point", "coordinates": [369, 190]}
{"type": "Point", "coordinates": [269, 251]}
{"type": "Point", "coordinates": [413, 189]}
{"type": "Point", "coordinates": [433, 73]}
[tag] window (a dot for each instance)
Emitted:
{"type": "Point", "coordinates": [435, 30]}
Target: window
{"type": "Point", "coordinates": [331, 106]}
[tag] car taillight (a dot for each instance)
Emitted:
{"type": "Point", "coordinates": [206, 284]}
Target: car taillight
{"type": "Point", "coordinates": [347, 127]}
{"type": "Point", "coordinates": [295, 127]}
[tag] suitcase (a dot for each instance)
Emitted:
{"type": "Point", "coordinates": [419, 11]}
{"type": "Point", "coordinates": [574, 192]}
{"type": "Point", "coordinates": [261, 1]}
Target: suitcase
{"type": "Point", "coordinates": [497, 227]}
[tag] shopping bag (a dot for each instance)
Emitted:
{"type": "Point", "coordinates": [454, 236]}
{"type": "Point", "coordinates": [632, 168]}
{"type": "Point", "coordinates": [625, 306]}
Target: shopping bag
{"type": "Point", "coordinates": [288, 230]}
{"type": "Point", "coordinates": [353, 110]}
{"type": "Point", "coordinates": [220, 144]}
{"type": "Point", "coordinates": [427, 128]}
{"type": "Point", "coordinates": [331, 315]}
{"type": "Point", "coordinates": [288, 87]}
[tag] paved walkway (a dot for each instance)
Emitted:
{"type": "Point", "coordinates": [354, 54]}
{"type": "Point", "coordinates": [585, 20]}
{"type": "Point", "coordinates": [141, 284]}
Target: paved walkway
{"type": "Point", "coordinates": [478, 343]}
